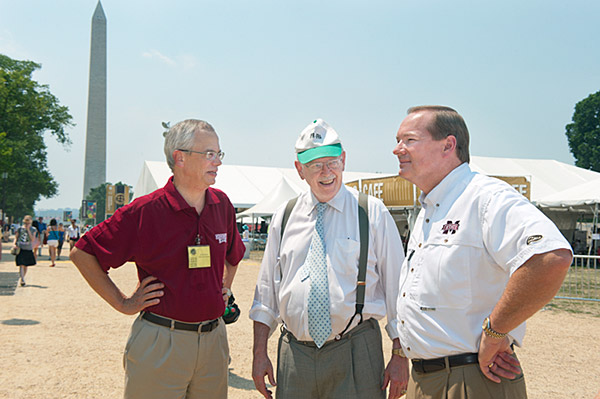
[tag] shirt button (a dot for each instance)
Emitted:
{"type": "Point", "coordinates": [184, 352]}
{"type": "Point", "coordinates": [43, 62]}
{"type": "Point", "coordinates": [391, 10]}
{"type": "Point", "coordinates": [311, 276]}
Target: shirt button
{"type": "Point", "coordinates": [420, 245]}
{"type": "Point", "coordinates": [404, 294]}
{"type": "Point", "coordinates": [402, 321]}
{"type": "Point", "coordinates": [408, 348]}
{"type": "Point", "coordinates": [412, 269]}
{"type": "Point", "coordinates": [437, 205]}
{"type": "Point", "coordinates": [446, 240]}
{"type": "Point", "coordinates": [426, 220]}
{"type": "Point", "coordinates": [338, 337]}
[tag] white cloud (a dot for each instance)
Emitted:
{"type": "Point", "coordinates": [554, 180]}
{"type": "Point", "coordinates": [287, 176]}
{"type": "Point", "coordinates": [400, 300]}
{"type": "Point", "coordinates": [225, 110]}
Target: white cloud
{"type": "Point", "coordinates": [157, 54]}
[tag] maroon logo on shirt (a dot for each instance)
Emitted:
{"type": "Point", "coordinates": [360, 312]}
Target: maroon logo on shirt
{"type": "Point", "coordinates": [450, 227]}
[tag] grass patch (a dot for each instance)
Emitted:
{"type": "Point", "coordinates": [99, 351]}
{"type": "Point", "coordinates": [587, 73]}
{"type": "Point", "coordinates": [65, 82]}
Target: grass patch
{"type": "Point", "coordinates": [576, 307]}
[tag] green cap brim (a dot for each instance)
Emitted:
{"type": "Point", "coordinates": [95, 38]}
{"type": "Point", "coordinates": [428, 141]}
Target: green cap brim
{"type": "Point", "coordinates": [333, 150]}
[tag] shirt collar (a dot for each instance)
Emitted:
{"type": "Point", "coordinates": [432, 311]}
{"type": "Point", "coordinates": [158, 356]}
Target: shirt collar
{"type": "Point", "coordinates": [337, 202]}
{"type": "Point", "coordinates": [178, 203]}
{"type": "Point", "coordinates": [439, 192]}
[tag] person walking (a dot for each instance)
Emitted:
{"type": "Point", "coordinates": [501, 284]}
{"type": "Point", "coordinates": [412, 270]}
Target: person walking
{"type": "Point", "coordinates": [53, 238]}
{"type": "Point", "coordinates": [73, 233]}
{"type": "Point", "coordinates": [61, 240]}
{"type": "Point", "coordinates": [25, 237]}
{"type": "Point", "coordinates": [43, 235]}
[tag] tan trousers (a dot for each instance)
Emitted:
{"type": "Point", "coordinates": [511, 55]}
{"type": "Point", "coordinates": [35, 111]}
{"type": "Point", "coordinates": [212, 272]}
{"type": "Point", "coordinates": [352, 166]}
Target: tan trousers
{"type": "Point", "coordinates": [161, 363]}
{"type": "Point", "coordinates": [351, 368]}
{"type": "Point", "coordinates": [463, 382]}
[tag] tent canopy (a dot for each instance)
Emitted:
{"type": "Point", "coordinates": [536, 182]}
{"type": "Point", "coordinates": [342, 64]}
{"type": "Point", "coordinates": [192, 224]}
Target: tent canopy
{"type": "Point", "coordinates": [583, 195]}
{"type": "Point", "coordinates": [245, 186]}
{"type": "Point", "coordinates": [547, 176]}
{"type": "Point", "coordinates": [269, 204]}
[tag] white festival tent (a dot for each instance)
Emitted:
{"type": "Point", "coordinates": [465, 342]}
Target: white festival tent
{"type": "Point", "coordinates": [585, 196]}
{"type": "Point", "coordinates": [547, 176]}
{"type": "Point", "coordinates": [552, 182]}
{"type": "Point", "coordinates": [245, 186]}
{"type": "Point", "coordinates": [269, 204]}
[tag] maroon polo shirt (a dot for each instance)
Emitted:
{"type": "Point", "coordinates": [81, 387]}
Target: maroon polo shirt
{"type": "Point", "coordinates": [154, 231]}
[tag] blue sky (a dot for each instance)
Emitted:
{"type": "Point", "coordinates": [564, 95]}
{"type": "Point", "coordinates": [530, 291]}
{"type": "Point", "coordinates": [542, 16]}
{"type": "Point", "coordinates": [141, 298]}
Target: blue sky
{"type": "Point", "coordinates": [260, 71]}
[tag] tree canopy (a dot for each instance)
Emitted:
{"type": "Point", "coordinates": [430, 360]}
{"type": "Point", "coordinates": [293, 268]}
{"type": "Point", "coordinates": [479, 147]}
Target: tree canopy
{"type": "Point", "coordinates": [583, 133]}
{"type": "Point", "coordinates": [28, 110]}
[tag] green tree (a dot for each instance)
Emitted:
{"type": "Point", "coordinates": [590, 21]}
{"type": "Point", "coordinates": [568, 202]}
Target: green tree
{"type": "Point", "coordinates": [28, 110]}
{"type": "Point", "coordinates": [98, 195]}
{"type": "Point", "coordinates": [583, 133]}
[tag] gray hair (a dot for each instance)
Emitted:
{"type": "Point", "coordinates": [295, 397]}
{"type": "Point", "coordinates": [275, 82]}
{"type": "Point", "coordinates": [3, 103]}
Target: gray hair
{"type": "Point", "coordinates": [182, 135]}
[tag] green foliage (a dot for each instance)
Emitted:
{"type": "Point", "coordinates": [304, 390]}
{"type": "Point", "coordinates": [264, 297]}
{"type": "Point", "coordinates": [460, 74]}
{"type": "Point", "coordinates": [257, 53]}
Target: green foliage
{"type": "Point", "coordinates": [98, 194]}
{"type": "Point", "coordinates": [28, 110]}
{"type": "Point", "coordinates": [583, 133]}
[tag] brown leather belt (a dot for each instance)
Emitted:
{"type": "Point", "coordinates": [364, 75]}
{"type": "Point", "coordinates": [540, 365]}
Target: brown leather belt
{"type": "Point", "coordinates": [433, 365]}
{"type": "Point", "coordinates": [179, 325]}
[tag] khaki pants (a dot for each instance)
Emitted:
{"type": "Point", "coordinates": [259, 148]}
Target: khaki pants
{"type": "Point", "coordinates": [161, 363]}
{"type": "Point", "coordinates": [463, 382]}
{"type": "Point", "coordinates": [345, 369]}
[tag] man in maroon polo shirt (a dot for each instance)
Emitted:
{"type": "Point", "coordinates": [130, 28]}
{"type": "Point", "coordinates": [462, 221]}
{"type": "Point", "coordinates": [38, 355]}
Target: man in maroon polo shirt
{"type": "Point", "coordinates": [185, 244]}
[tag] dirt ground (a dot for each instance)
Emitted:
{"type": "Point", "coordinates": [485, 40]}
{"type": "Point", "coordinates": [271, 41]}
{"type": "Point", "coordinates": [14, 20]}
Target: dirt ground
{"type": "Point", "coordinates": [60, 340]}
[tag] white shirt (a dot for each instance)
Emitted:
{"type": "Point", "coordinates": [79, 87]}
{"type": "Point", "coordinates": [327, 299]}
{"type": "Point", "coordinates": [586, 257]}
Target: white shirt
{"type": "Point", "coordinates": [73, 232]}
{"type": "Point", "coordinates": [472, 233]}
{"type": "Point", "coordinates": [283, 284]}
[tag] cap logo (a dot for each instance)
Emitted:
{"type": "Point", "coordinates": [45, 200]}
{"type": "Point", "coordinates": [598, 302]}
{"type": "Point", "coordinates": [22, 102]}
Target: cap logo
{"type": "Point", "coordinates": [315, 135]}
{"type": "Point", "coordinates": [532, 239]}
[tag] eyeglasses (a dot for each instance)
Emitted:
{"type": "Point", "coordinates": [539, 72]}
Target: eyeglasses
{"type": "Point", "coordinates": [210, 155]}
{"type": "Point", "coordinates": [334, 164]}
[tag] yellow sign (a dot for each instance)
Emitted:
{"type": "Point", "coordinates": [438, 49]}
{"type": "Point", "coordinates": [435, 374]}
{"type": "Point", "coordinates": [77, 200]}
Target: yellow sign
{"type": "Point", "coordinates": [394, 191]}
{"type": "Point", "coordinates": [116, 197]}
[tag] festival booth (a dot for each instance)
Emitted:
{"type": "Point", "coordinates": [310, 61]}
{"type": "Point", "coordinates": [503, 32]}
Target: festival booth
{"type": "Point", "coordinates": [582, 202]}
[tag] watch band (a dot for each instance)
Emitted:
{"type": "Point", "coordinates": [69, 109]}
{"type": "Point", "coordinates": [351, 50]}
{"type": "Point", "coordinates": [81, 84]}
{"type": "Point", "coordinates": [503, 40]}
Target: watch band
{"type": "Point", "coordinates": [398, 351]}
{"type": "Point", "coordinates": [490, 332]}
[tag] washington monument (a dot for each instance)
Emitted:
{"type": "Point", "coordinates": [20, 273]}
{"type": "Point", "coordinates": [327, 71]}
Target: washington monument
{"type": "Point", "coordinates": [95, 138]}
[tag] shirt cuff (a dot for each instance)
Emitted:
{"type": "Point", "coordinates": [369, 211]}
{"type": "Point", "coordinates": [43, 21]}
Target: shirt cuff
{"type": "Point", "coordinates": [392, 329]}
{"type": "Point", "coordinates": [263, 315]}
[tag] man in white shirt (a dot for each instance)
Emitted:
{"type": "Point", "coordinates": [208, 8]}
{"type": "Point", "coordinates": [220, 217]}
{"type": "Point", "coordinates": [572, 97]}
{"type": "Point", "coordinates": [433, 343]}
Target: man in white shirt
{"type": "Point", "coordinates": [326, 352]}
{"type": "Point", "coordinates": [481, 260]}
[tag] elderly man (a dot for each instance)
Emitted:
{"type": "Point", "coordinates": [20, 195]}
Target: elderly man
{"type": "Point", "coordinates": [481, 260]}
{"type": "Point", "coordinates": [185, 244]}
{"type": "Point", "coordinates": [309, 281]}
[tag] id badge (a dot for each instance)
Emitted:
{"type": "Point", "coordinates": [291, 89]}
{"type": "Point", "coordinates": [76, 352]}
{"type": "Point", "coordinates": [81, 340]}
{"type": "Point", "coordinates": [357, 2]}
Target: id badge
{"type": "Point", "coordinates": [198, 256]}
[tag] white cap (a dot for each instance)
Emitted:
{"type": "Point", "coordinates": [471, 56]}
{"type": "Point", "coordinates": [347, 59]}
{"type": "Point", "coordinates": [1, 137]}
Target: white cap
{"type": "Point", "coordinates": [318, 140]}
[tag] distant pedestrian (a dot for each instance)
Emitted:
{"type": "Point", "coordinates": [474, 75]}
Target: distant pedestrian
{"type": "Point", "coordinates": [61, 239]}
{"type": "Point", "coordinates": [43, 234]}
{"type": "Point", "coordinates": [24, 240]}
{"type": "Point", "coordinates": [36, 239]}
{"type": "Point", "coordinates": [53, 237]}
{"type": "Point", "coordinates": [73, 233]}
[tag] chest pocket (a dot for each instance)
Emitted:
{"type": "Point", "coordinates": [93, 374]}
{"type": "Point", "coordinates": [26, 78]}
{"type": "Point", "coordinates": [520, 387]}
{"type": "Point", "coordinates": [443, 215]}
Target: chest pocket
{"type": "Point", "coordinates": [445, 271]}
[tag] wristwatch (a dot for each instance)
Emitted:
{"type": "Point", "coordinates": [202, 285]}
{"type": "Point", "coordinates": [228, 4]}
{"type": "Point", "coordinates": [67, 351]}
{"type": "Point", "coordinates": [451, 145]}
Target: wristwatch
{"type": "Point", "coordinates": [489, 331]}
{"type": "Point", "coordinates": [398, 351]}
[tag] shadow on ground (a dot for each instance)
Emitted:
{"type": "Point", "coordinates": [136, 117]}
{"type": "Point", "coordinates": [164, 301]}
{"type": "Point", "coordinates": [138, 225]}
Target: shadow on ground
{"type": "Point", "coordinates": [20, 322]}
{"type": "Point", "coordinates": [8, 283]}
{"type": "Point", "coordinates": [235, 381]}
